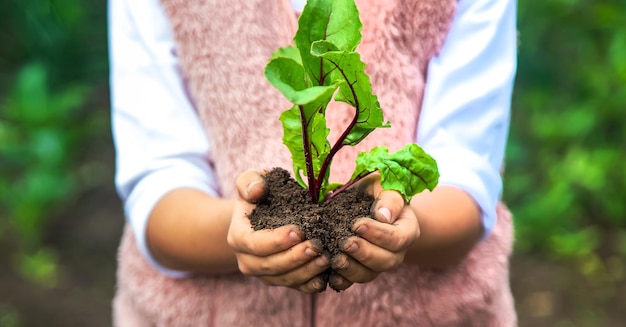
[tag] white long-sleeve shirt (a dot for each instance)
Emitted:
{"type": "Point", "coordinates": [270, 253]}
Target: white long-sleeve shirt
{"type": "Point", "coordinates": [161, 145]}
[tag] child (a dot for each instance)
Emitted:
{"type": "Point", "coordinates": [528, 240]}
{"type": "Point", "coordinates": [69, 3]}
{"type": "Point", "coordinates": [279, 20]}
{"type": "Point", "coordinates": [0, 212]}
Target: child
{"type": "Point", "coordinates": [193, 116]}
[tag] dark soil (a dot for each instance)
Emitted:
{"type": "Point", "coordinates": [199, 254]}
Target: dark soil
{"type": "Point", "coordinates": [330, 222]}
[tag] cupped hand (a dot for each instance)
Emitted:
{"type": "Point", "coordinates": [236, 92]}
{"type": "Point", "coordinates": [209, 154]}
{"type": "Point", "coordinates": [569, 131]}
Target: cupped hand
{"type": "Point", "coordinates": [381, 243]}
{"type": "Point", "coordinates": [279, 256]}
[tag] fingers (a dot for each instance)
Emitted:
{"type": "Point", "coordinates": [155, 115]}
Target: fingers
{"type": "Point", "coordinates": [348, 271]}
{"type": "Point", "coordinates": [251, 185]}
{"type": "Point", "coordinates": [378, 247]}
{"type": "Point", "coordinates": [276, 256]}
{"type": "Point", "coordinates": [338, 282]}
{"type": "Point", "coordinates": [393, 237]}
{"type": "Point", "coordinates": [279, 257]}
{"type": "Point", "coordinates": [373, 258]}
{"type": "Point", "coordinates": [315, 285]}
{"type": "Point", "coordinates": [242, 238]}
{"type": "Point", "coordinates": [306, 278]}
{"type": "Point", "coordinates": [388, 206]}
{"type": "Point", "coordinates": [285, 262]}
{"type": "Point", "coordinates": [298, 267]}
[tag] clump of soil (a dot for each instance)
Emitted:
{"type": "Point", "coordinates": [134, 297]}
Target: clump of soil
{"type": "Point", "coordinates": [330, 222]}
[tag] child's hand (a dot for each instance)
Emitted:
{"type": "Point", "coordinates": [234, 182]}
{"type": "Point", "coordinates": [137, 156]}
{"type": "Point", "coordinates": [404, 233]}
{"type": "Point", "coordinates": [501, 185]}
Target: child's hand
{"type": "Point", "coordinates": [381, 244]}
{"type": "Point", "coordinates": [278, 256]}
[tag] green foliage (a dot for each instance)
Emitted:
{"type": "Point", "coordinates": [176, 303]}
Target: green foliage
{"type": "Point", "coordinates": [354, 89]}
{"type": "Point", "coordinates": [565, 176]}
{"type": "Point", "coordinates": [35, 145]}
{"type": "Point", "coordinates": [40, 267]}
{"type": "Point", "coordinates": [53, 57]}
{"type": "Point", "coordinates": [409, 171]}
{"type": "Point", "coordinates": [38, 139]}
{"type": "Point", "coordinates": [322, 65]}
{"type": "Point", "coordinates": [337, 22]}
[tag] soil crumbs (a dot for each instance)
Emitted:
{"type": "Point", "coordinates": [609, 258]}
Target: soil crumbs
{"type": "Point", "coordinates": [330, 222]}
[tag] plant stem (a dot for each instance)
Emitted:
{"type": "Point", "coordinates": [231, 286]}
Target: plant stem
{"type": "Point", "coordinates": [308, 158]}
{"type": "Point", "coordinates": [345, 186]}
{"type": "Point", "coordinates": [339, 144]}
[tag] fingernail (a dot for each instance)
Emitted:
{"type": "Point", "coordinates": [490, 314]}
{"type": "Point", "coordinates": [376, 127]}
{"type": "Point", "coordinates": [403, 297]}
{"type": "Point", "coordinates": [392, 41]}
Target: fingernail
{"type": "Point", "coordinates": [386, 213]}
{"type": "Point", "coordinates": [340, 262]}
{"type": "Point", "coordinates": [317, 246]}
{"type": "Point", "coordinates": [295, 237]}
{"type": "Point", "coordinates": [322, 261]}
{"type": "Point", "coordinates": [251, 186]}
{"type": "Point", "coordinates": [362, 230]}
{"type": "Point", "coordinates": [317, 284]}
{"type": "Point", "coordinates": [311, 253]}
{"type": "Point", "coordinates": [352, 248]}
{"type": "Point", "coordinates": [336, 280]}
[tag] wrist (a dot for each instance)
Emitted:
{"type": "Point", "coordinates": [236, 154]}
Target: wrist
{"type": "Point", "coordinates": [187, 231]}
{"type": "Point", "coordinates": [450, 226]}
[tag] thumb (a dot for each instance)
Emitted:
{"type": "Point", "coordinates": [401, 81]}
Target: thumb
{"type": "Point", "coordinates": [388, 206]}
{"type": "Point", "coordinates": [251, 186]}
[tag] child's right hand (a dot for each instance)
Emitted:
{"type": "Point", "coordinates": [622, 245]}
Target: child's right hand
{"type": "Point", "coordinates": [278, 256]}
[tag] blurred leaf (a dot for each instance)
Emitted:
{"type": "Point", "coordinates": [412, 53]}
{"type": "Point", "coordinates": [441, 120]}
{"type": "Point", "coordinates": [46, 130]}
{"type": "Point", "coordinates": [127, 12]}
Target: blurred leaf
{"type": "Point", "coordinates": [617, 54]}
{"type": "Point", "coordinates": [592, 267]}
{"type": "Point", "coordinates": [31, 95]}
{"type": "Point", "coordinates": [37, 193]}
{"type": "Point", "coordinates": [40, 267]}
{"type": "Point", "coordinates": [575, 245]}
{"type": "Point", "coordinates": [48, 146]}
{"type": "Point", "coordinates": [69, 14]}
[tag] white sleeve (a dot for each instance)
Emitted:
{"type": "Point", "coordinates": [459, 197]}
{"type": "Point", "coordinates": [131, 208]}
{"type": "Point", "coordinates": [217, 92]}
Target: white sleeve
{"type": "Point", "coordinates": [465, 115]}
{"type": "Point", "coordinates": [160, 143]}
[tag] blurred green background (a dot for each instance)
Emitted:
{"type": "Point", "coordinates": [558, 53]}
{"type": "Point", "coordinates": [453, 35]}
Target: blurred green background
{"type": "Point", "coordinates": [60, 219]}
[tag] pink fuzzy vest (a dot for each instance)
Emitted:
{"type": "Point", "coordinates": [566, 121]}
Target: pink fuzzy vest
{"type": "Point", "coordinates": [223, 48]}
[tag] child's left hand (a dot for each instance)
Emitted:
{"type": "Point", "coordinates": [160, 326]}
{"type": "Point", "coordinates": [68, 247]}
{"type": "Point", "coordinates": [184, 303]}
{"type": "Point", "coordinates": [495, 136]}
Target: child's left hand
{"type": "Point", "coordinates": [380, 244]}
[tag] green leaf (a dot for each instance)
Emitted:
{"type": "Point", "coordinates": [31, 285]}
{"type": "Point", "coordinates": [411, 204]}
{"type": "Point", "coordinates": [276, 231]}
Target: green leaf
{"type": "Point", "coordinates": [31, 94]}
{"type": "Point", "coordinates": [287, 76]}
{"type": "Point", "coordinates": [40, 267]}
{"type": "Point", "coordinates": [293, 139]}
{"type": "Point", "coordinates": [335, 21]}
{"type": "Point", "coordinates": [409, 171]}
{"type": "Point", "coordinates": [288, 52]}
{"type": "Point", "coordinates": [355, 91]}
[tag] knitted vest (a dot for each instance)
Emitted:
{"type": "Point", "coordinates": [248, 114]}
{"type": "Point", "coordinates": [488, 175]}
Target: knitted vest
{"type": "Point", "coordinates": [223, 48]}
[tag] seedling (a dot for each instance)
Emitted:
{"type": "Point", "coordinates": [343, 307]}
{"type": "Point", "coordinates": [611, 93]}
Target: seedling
{"type": "Point", "coordinates": [322, 66]}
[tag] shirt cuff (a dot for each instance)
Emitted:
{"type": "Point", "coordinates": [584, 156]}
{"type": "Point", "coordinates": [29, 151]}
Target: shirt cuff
{"type": "Point", "coordinates": [473, 174]}
{"type": "Point", "coordinates": [150, 190]}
